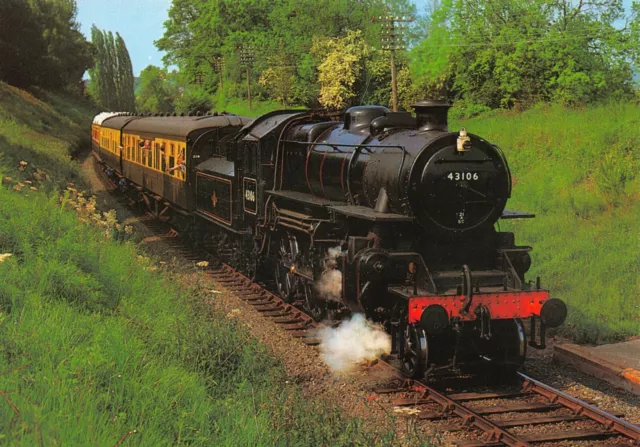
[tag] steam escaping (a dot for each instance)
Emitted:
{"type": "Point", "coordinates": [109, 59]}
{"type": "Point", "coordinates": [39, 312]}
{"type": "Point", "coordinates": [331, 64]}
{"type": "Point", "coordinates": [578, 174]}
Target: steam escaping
{"type": "Point", "coordinates": [329, 286]}
{"type": "Point", "coordinates": [354, 341]}
{"type": "Point", "coordinates": [333, 252]}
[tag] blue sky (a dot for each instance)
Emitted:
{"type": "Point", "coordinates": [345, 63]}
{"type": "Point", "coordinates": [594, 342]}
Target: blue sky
{"type": "Point", "coordinates": [140, 22]}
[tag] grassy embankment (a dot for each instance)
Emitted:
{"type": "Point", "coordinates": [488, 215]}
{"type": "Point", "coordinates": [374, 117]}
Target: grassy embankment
{"type": "Point", "coordinates": [578, 171]}
{"type": "Point", "coordinates": [97, 342]}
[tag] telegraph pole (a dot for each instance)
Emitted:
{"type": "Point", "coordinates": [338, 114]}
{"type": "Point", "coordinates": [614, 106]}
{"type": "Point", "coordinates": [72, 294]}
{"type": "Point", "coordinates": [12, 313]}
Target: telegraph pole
{"type": "Point", "coordinates": [199, 79]}
{"type": "Point", "coordinates": [218, 64]}
{"type": "Point", "coordinates": [393, 40]}
{"type": "Point", "coordinates": [246, 59]}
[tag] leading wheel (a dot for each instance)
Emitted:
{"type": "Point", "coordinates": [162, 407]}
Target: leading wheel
{"type": "Point", "coordinates": [507, 347]}
{"type": "Point", "coordinates": [414, 360]}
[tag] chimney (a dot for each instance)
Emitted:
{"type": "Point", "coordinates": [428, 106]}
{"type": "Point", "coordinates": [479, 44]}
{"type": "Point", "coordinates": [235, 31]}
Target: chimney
{"type": "Point", "coordinates": [432, 114]}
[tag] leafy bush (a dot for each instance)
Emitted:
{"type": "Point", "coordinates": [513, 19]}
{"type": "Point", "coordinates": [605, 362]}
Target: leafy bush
{"type": "Point", "coordinates": [193, 100]}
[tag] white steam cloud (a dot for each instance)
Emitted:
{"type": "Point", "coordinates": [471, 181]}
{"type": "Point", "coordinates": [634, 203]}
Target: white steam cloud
{"type": "Point", "coordinates": [354, 341]}
{"type": "Point", "coordinates": [329, 286]}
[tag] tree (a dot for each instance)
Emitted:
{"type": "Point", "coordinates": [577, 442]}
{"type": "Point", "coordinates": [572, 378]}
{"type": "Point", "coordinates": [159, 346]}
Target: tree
{"type": "Point", "coordinates": [341, 67]}
{"type": "Point", "coordinates": [154, 95]}
{"type": "Point", "coordinates": [126, 80]}
{"type": "Point", "coordinates": [193, 100]}
{"type": "Point", "coordinates": [68, 53]}
{"type": "Point", "coordinates": [100, 71]}
{"type": "Point", "coordinates": [112, 82]}
{"type": "Point", "coordinates": [279, 79]}
{"type": "Point", "coordinates": [40, 44]}
{"type": "Point", "coordinates": [21, 43]}
{"type": "Point", "coordinates": [198, 33]}
{"type": "Point", "coordinates": [505, 52]}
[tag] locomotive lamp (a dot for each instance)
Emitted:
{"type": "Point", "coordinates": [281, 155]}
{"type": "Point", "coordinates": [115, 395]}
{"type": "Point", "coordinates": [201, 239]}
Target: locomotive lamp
{"type": "Point", "coordinates": [464, 141]}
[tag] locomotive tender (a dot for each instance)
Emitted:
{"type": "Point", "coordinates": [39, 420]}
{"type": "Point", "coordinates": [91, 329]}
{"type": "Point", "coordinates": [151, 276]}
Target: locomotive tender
{"type": "Point", "coordinates": [378, 212]}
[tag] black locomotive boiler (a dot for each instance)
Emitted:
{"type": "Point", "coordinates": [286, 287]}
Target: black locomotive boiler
{"type": "Point", "coordinates": [382, 213]}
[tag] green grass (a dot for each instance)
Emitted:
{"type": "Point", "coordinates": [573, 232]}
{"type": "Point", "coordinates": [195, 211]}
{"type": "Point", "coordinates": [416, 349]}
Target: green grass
{"type": "Point", "coordinates": [577, 169]}
{"type": "Point", "coordinates": [99, 341]}
{"type": "Point", "coordinates": [44, 133]}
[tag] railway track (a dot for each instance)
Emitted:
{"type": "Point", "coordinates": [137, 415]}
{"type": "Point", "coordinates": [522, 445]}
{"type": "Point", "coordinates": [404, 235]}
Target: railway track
{"type": "Point", "coordinates": [492, 418]}
{"type": "Point", "coordinates": [531, 413]}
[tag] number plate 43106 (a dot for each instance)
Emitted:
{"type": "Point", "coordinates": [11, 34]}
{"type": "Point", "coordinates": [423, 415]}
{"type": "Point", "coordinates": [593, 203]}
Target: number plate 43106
{"type": "Point", "coordinates": [462, 176]}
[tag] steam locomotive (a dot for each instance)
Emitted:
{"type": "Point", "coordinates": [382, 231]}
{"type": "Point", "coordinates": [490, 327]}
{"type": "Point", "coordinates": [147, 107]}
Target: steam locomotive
{"type": "Point", "coordinates": [377, 212]}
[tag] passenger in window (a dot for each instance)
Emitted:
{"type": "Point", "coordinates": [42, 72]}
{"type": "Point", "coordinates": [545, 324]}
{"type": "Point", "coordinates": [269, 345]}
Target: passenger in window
{"type": "Point", "coordinates": [180, 164]}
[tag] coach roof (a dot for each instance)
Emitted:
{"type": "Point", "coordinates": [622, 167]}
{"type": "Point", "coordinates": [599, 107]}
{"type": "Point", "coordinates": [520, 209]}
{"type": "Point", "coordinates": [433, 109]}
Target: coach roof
{"type": "Point", "coordinates": [181, 126]}
{"type": "Point", "coordinates": [117, 121]}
